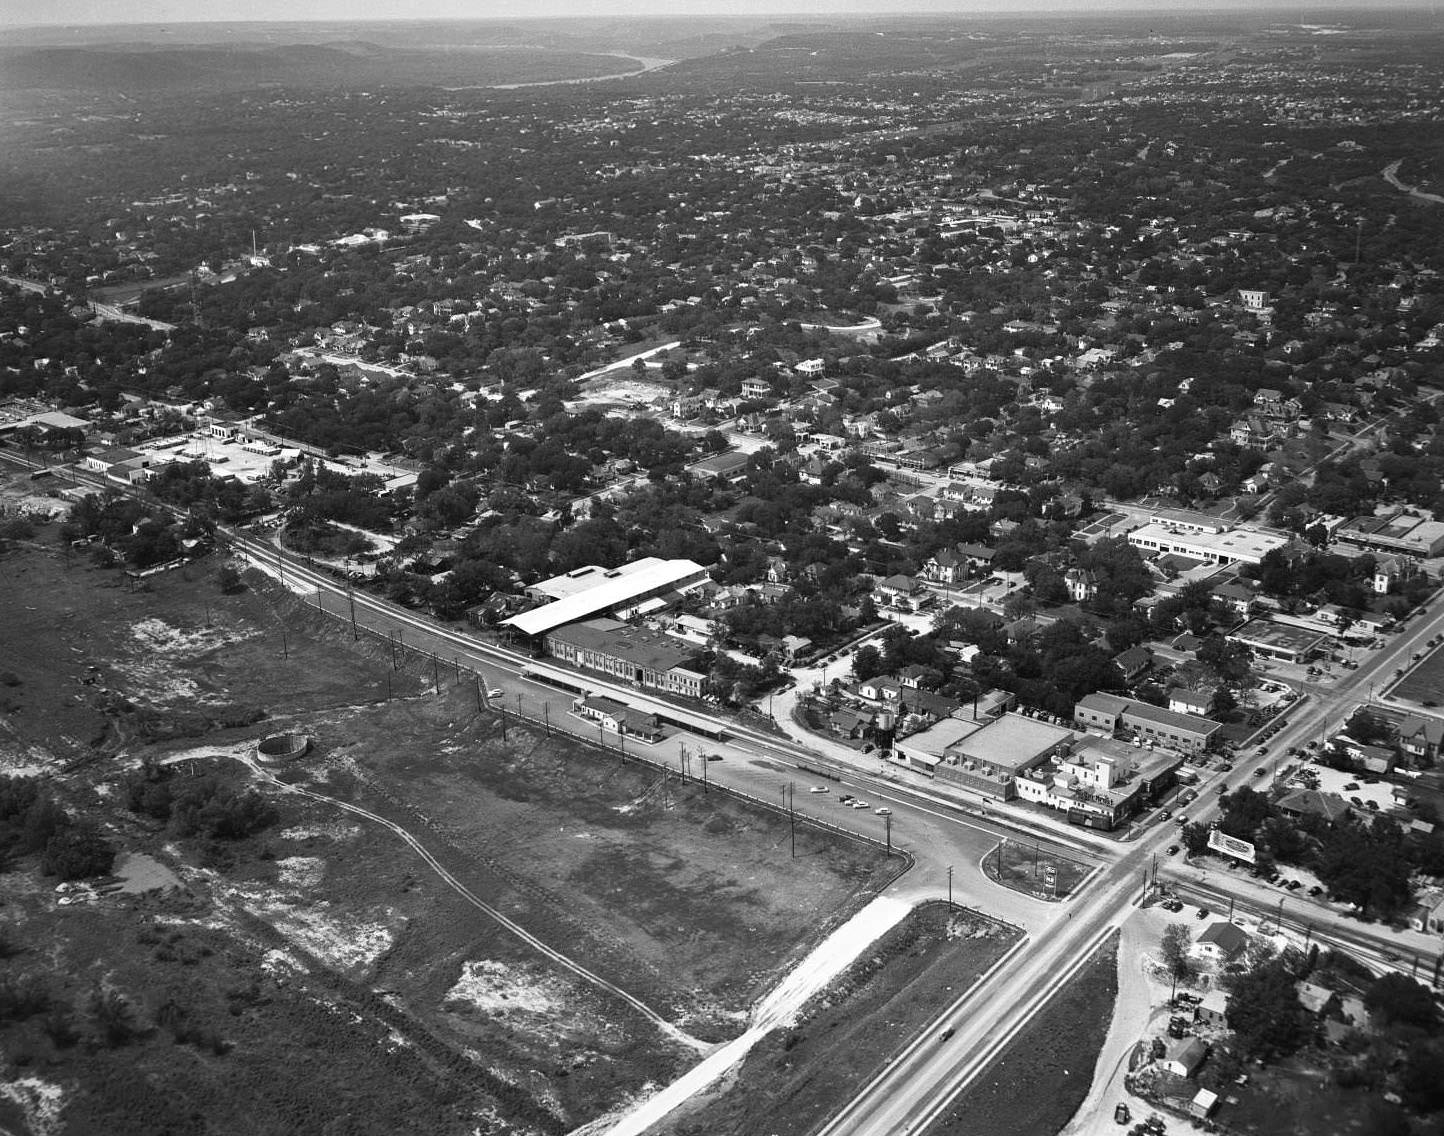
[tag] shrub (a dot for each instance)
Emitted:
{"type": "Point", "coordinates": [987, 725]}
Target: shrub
{"type": "Point", "coordinates": [77, 852]}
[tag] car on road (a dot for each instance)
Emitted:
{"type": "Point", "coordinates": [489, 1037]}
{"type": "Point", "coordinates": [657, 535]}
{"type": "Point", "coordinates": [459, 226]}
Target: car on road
{"type": "Point", "coordinates": [818, 789]}
{"type": "Point", "coordinates": [947, 1033]}
{"type": "Point", "coordinates": [714, 757]}
{"type": "Point", "coordinates": [1172, 850]}
{"type": "Point", "coordinates": [1259, 772]}
{"type": "Point", "coordinates": [843, 798]}
{"type": "Point", "coordinates": [494, 692]}
{"type": "Point", "coordinates": [883, 812]}
{"type": "Point", "coordinates": [1262, 751]}
{"type": "Point", "coordinates": [861, 805]}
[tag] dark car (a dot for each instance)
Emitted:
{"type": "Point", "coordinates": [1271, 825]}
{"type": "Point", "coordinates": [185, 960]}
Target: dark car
{"type": "Point", "coordinates": [1172, 850]}
{"type": "Point", "coordinates": [1203, 913]}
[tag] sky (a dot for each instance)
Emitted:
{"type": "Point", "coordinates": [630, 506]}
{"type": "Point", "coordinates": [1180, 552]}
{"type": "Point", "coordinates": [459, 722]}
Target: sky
{"type": "Point", "coordinates": [22, 12]}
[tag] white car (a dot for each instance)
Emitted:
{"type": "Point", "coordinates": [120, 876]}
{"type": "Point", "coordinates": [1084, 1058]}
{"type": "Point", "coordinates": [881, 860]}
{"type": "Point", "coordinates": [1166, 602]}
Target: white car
{"type": "Point", "coordinates": [860, 805]}
{"type": "Point", "coordinates": [818, 789]}
{"type": "Point", "coordinates": [495, 692]}
{"type": "Point", "coordinates": [883, 812]}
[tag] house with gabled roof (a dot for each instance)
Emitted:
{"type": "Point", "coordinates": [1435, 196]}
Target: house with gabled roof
{"type": "Point", "coordinates": [1222, 941]}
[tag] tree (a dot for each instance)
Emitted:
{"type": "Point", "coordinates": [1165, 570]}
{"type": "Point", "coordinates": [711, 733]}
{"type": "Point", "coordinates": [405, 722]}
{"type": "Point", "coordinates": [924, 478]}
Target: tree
{"type": "Point", "coordinates": [228, 579]}
{"type": "Point", "coordinates": [1174, 948]}
{"type": "Point", "coordinates": [1195, 838]}
{"type": "Point", "coordinates": [1265, 1013]}
{"type": "Point", "coordinates": [77, 852]}
{"type": "Point", "coordinates": [866, 663]}
{"type": "Point", "coordinates": [1395, 1000]}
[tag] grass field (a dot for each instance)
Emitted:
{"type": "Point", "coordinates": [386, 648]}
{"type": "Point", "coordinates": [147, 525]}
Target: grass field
{"type": "Point", "coordinates": [323, 975]}
{"type": "Point", "coordinates": [794, 1079]}
{"type": "Point", "coordinates": [1036, 1084]}
{"type": "Point", "coordinates": [1425, 683]}
{"type": "Point", "coordinates": [1022, 867]}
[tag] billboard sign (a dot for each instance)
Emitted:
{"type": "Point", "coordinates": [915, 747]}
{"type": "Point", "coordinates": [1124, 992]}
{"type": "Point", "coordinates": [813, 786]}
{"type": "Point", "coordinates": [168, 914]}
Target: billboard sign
{"type": "Point", "coordinates": [1231, 846]}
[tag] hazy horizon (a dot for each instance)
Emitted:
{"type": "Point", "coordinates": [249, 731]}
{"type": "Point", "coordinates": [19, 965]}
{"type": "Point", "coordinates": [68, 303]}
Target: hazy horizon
{"type": "Point", "coordinates": [62, 13]}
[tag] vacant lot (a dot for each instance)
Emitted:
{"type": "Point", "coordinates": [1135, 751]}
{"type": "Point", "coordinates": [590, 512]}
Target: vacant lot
{"type": "Point", "coordinates": [320, 974]}
{"type": "Point", "coordinates": [1037, 1083]}
{"type": "Point", "coordinates": [794, 1079]}
{"type": "Point", "coordinates": [1425, 683]}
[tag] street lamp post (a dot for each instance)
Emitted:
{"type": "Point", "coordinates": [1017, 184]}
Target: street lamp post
{"type": "Point", "coordinates": [950, 887]}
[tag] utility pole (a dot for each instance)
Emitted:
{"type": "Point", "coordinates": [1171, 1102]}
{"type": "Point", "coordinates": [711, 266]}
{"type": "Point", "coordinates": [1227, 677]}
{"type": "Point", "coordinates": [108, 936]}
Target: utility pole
{"type": "Point", "coordinates": [791, 815]}
{"type": "Point", "coordinates": [887, 827]}
{"type": "Point", "coordinates": [950, 887]}
{"type": "Point", "coordinates": [547, 717]}
{"type": "Point", "coordinates": [436, 672]}
{"type": "Point", "coordinates": [478, 694]}
{"type": "Point", "coordinates": [285, 646]}
{"type": "Point", "coordinates": [351, 602]}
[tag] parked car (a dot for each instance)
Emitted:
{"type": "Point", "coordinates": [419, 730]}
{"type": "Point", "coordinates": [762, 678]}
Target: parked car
{"type": "Point", "coordinates": [494, 692]}
{"type": "Point", "coordinates": [818, 789]}
{"type": "Point", "coordinates": [883, 812]}
{"type": "Point", "coordinates": [1172, 850]}
{"type": "Point", "coordinates": [1351, 787]}
{"type": "Point", "coordinates": [1316, 890]}
{"type": "Point", "coordinates": [1203, 913]}
{"type": "Point", "coordinates": [860, 805]}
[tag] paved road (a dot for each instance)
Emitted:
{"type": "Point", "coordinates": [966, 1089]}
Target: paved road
{"type": "Point", "coordinates": [918, 1088]}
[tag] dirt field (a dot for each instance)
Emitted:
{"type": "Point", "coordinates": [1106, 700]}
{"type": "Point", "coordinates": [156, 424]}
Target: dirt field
{"type": "Point", "coordinates": [794, 1079]}
{"type": "Point", "coordinates": [321, 974]}
{"type": "Point", "coordinates": [1037, 1083]}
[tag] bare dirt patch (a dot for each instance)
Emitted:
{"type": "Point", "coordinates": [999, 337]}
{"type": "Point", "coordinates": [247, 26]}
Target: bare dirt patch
{"type": "Point", "coordinates": [321, 967]}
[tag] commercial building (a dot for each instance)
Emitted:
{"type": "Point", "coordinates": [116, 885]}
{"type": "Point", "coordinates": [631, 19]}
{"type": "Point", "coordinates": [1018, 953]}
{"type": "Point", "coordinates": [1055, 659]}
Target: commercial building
{"type": "Point", "coordinates": [988, 760]}
{"type": "Point", "coordinates": [635, 655]}
{"type": "Point", "coordinates": [1231, 546]}
{"type": "Point", "coordinates": [1099, 782]}
{"type": "Point", "coordinates": [615, 589]}
{"type": "Point", "coordinates": [1395, 532]}
{"type": "Point", "coordinates": [1283, 641]}
{"type": "Point", "coordinates": [1146, 723]}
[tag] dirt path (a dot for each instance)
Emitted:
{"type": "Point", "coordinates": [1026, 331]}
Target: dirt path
{"type": "Point", "coordinates": [1139, 1003]}
{"type": "Point", "coordinates": [1391, 175]}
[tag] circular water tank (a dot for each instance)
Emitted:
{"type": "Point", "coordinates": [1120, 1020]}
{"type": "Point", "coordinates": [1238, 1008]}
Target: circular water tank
{"type": "Point", "coordinates": [279, 748]}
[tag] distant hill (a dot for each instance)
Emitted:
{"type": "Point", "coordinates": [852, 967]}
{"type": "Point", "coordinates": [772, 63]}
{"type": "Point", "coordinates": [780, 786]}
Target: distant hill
{"type": "Point", "coordinates": [144, 67]}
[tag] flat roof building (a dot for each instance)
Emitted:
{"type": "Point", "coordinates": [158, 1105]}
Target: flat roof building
{"type": "Point", "coordinates": [1282, 641]}
{"type": "Point", "coordinates": [615, 588]}
{"type": "Point", "coordinates": [1111, 714]}
{"type": "Point", "coordinates": [1395, 532]}
{"type": "Point", "coordinates": [989, 760]}
{"type": "Point", "coordinates": [635, 655]}
{"type": "Point", "coordinates": [1232, 546]}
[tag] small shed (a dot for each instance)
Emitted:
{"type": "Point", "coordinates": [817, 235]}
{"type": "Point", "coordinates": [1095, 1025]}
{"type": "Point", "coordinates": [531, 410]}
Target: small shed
{"type": "Point", "coordinates": [1203, 1103]}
